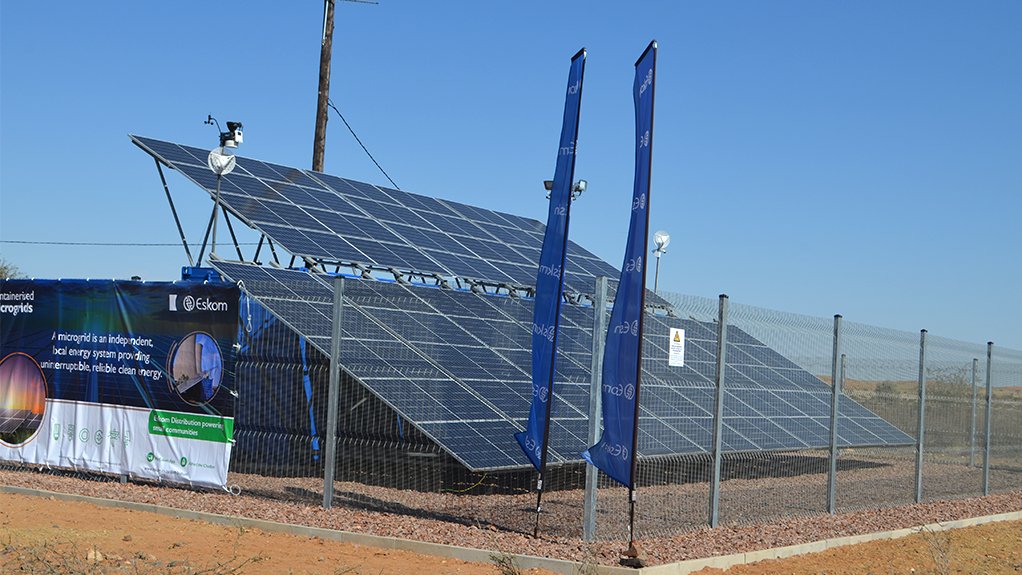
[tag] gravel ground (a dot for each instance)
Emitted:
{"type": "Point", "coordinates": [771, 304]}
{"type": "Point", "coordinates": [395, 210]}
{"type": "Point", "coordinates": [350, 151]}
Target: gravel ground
{"type": "Point", "coordinates": [756, 513]}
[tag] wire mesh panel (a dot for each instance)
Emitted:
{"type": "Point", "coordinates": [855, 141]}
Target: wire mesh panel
{"type": "Point", "coordinates": [279, 413]}
{"type": "Point", "coordinates": [1006, 420]}
{"type": "Point", "coordinates": [671, 497]}
{"type": "Point", "coordinates": [673, 494]}
{"type": "Point", "coordinates": [761, 486]}
{"type": "Point", "coordinates": [764, 485]}
{"type": "Point", "coordinates": [951, 422]}
{"type": "Point", "coordinates": [882, 370]}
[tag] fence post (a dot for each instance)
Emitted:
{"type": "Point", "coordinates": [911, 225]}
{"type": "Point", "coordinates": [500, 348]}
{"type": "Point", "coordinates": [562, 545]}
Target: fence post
{"type": "Point", "coordinates": [989, 411]}
{"type": "Point", "coordinates": [595, 391]}
{"type": "Point", "coordinates": [333, 394]}
{"type": "Point", "coordinates": [835, 393]}
{"type": "Point", "coordinates": [972, 421]}
{"type": "Point", "coordinates": [718, 412]}
{"type": "Point", "coordinates": [921, 427]}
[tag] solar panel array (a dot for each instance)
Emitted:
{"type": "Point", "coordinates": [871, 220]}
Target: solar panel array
{"type": "Point", "coordinates": [456, 365]}
{"type": "Point", "coordinates": [323, 217]}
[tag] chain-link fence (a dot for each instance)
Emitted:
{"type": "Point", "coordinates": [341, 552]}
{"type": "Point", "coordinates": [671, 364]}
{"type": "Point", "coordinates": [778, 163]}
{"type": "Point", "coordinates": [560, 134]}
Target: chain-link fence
{"type": "Point", "coordinates": [964, 442]}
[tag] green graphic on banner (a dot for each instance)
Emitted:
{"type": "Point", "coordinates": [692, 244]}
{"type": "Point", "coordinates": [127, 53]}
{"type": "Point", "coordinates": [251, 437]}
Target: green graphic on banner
{"type": "Point", "coordinates": [191, 426]}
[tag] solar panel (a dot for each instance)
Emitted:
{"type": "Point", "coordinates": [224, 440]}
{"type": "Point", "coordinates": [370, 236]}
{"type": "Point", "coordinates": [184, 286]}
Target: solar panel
{"type": "Point", "coordinates": [457, 366]}
{"type": "Point", "coordinates": [324, 217]}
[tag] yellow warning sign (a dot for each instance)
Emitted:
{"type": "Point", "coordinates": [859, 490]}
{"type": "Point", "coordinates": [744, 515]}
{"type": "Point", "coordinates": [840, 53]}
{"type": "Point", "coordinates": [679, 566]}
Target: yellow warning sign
{"type": "Point", "coordinates": [677, 336]}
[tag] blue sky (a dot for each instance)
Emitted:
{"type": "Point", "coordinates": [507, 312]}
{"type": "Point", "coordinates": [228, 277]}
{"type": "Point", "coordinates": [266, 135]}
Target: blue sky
{"type": "Point", "coordinates": [814, 157]}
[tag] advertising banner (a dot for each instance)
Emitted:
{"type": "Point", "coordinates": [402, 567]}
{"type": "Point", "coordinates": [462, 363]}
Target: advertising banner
{"type": "Point", "coordinates": [119, 377]}
{"type": "Point", "coordinates": [622, 358]}
{"type": "Point", "coordinates": [550, 276]}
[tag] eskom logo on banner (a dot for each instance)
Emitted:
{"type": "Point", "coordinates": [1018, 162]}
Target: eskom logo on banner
{"type": "Point", "coordinates": [189, 303]}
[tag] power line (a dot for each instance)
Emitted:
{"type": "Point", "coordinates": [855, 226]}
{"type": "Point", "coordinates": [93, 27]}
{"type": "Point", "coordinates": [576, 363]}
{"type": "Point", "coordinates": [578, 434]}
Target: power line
{"type": "Point", "coordinates": [364, 149]}
{"type": "Point", "coordinates": [105, 244]}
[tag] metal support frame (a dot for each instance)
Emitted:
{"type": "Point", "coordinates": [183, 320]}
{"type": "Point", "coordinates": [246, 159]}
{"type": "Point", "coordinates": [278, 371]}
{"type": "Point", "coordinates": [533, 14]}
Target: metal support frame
{"type": "Point", "coordinates": [333, 394]}
{"type": "Point", "coordinates": [921, 424]}
{"type": "Point", "coordinates": [835, 394]}
{"type": "Point", "coordinates": [494, 288]}
{"type": "Point", "coordinates": [656, 275]}
{"type": "Point", "coordinates": [972, 419]}
{"type": "Point", "coordinates": [989, 412]}
{"type": "Point", "coordinates": [273, 250]}
{"type": "Point", "coordinates": [205, 236]}
{"type": "Point", "coordinates": [173, 210]}
{"type": "Point", "coordinates": [595, 395]}
{"type": "Point", "coordinates": [718, 412]}
{"type": "Point", "coordinates": [259, 248]}
{"type": "Point", "coordinates": [216, 210]}
{"type": "Point", "coordinates": [234, 238]}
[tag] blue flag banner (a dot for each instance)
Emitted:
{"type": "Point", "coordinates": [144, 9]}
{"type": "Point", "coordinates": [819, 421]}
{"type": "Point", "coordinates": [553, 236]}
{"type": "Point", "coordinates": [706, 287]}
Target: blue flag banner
{"type": "Point", "coordinates": [622, 359]}
{"type": "Point", "coordinates": [550, 276]}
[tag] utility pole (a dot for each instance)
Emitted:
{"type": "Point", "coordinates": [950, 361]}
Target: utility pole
{"type": "Point", "coordinates": [319, 140]}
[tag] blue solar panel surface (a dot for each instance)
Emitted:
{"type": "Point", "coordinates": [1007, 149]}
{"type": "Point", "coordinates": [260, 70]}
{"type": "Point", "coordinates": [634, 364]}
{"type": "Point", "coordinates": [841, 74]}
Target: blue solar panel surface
{"type": "Point", "coordinates": [324, 217]}
{"type": "Point", "coordinates": [457, 364]}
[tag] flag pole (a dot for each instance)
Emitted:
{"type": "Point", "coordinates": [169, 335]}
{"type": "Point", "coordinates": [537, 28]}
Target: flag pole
{"type": "Point", "coordinates": [631, 555]}
{"type": "Point", "coordinates": [560, 298]}
{"type": "Point", "coordinates": [550, 266]}
{"type": "Point", "coordinates": [549, 404]}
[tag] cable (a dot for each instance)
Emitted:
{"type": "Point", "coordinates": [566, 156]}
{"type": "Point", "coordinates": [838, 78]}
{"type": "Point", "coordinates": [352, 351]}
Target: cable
{"type": "Point", "coordinates": [98, 244]}
{"type": "Point", "coordinates": [465, 490]}
{"type": "Point", "coordinates": [364, 149]}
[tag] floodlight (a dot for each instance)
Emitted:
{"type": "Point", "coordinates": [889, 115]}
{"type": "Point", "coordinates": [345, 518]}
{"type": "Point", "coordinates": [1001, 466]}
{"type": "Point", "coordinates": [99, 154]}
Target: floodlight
{"type": "Point", "coordinates": [579, 187]}
{"type": "Point", "coordinates": [576, 190]}
{"type": "Point", "coordinates": [661, 239]}
{"type": "Point", "coordinates": [221, 162]}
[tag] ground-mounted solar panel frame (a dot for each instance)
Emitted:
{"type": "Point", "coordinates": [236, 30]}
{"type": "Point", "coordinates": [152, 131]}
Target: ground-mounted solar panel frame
{"type": "Point", "coordinates": [407, 234]}
{"type": "Point", "coordinates": [751, 408]}
{"type": "Point", "coordinates": [322, 313]}
{"type": "Point", "coordinates": [325, 219]}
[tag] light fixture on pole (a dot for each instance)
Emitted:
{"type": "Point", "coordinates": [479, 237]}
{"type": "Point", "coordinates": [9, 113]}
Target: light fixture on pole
{"type": "Point", "coordinates": [576, 190]}
{"type": "Point", "coordinates": [661, 239]}
{"type": "Point", "coordinates": [221, 162]}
